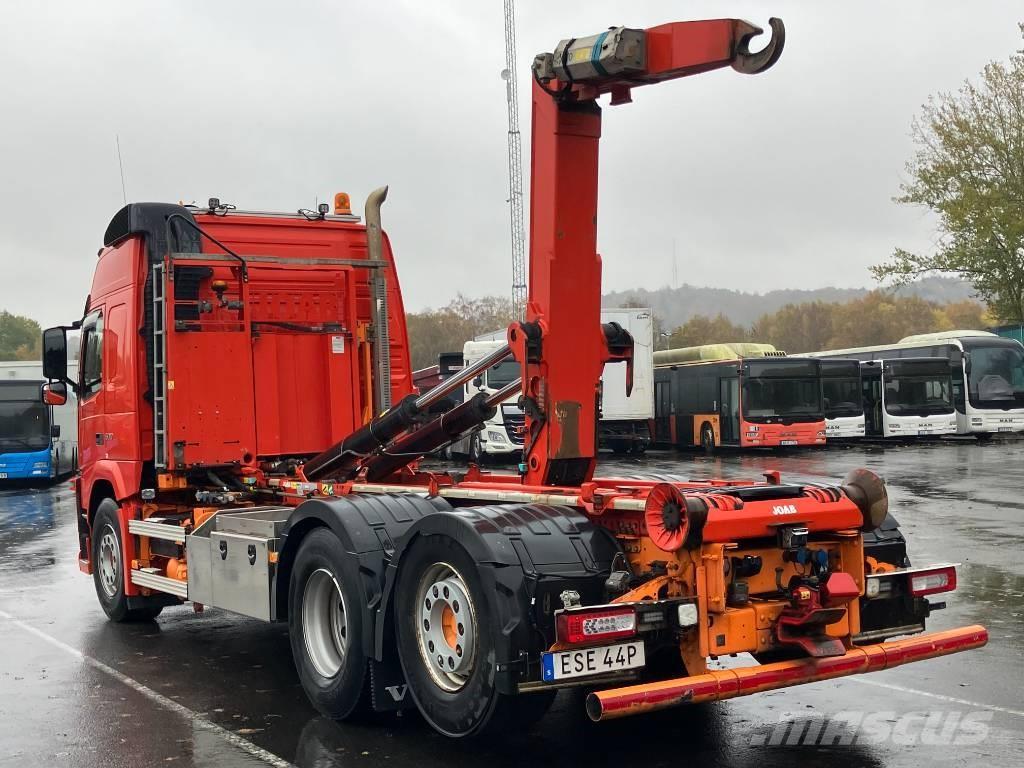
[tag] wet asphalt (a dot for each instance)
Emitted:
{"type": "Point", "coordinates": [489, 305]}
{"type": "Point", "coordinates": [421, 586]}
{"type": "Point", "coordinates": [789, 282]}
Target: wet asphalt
{"type": "Point", "coordinates": [215, 689]}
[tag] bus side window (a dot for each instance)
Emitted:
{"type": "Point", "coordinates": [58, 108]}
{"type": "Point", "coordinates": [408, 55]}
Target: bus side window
{"type": "Point", "coordinates": [92, 354]}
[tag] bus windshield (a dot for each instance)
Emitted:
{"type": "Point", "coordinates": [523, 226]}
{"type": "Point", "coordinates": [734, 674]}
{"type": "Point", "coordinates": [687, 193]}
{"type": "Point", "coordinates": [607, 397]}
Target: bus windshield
{"type": "Point", "coordinates": [842, 397]}
{"type": "Point", "coordinates": [24, 426]}
{"type": "Point", "coordinates": [996, 375]}
{"type": "Point", "coordinates": [918, 395]}
{"type": "Point", "coordinates": [782, 398]}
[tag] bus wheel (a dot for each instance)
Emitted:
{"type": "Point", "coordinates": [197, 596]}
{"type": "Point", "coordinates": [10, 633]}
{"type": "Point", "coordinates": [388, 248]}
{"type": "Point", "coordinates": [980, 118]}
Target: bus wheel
{"type": "Point", "coordinates": [443, 623]}
{"type": "Point", "coordinates": [707, 439]}
{"type": "Point", "coordinates": [108, 567]}
{"type": "Point", "coordinates": [325, 627]}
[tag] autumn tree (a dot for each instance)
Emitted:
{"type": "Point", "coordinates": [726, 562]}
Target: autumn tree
{"type": "Point", "coordinates": [701, 329]}
{"type": "Point", "coordinates": [969, 169]}
{"type": "Point", "coordinates": [797, 328]}
{"type": "Point", "coordinates": [20, 337]}
{"type": "Point", "coordinates": [446, 329]}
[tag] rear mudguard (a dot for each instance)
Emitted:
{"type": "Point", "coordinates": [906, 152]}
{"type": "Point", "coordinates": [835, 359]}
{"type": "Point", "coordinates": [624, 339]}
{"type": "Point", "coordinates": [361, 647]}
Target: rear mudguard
{"type": "Point", "coordinates": [527, 556]}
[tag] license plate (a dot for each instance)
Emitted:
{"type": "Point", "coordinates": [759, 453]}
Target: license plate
{"type": "Point", "coordinates": [560, 665]}
{"type": "Point", "coordinates": [3, 475]}
{"type": "Point", "coordinates": [1005, 429]}
{"type": "Point", "coordinates": [787, 442]}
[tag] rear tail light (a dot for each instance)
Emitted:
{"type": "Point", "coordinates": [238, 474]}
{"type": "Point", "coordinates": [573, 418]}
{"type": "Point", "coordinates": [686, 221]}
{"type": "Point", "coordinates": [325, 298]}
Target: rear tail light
{"type": "Point", "coordinates": [933, 580]}
{"type": "Point", "coordinates": [588, 626]}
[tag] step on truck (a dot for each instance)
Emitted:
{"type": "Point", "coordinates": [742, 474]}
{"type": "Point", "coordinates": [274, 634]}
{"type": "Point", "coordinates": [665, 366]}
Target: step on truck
{"type": "Point", "coordinates": [252, 443]}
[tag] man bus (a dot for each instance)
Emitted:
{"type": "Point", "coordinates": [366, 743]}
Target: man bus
{"type": "Point", "coordinates": [987, 370]}
{"type": "Point", "coordinates": [742, 402]}
{"type": "Point", "coordinates": [842, 399]}
{"type": "Point", "coordinates": [908, 397]}
{"type": "Point", "coordinates": [33, 445]}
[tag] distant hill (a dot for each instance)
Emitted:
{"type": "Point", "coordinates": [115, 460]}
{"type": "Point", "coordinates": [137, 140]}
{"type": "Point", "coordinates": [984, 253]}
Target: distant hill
{"type": "Point", "coordinates": [674, 306]}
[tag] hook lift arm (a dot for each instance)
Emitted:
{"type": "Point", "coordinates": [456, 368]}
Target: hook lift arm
{"type": "Point", "coordinates": [561, 345]}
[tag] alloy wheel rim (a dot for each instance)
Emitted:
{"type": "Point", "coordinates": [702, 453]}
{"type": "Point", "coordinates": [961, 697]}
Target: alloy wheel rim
{"type": "Point", "coordinates": [109, 561]}
{"type": "Point", "coordinates": [446, 627]}
{"type": "Point", "coordinates": [324, 623]}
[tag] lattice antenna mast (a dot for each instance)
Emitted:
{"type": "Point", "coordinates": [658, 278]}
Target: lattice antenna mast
{"type": "Point", "coordinates": [515, 167]}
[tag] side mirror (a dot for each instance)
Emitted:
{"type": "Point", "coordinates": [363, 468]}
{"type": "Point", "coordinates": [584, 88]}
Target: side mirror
{"type": "Point", "coordinates": [967, 363]}
{"type": "Point", "coordinates": [55, 430]}
{"type": "Point", "coordinates": [55, 393]}
{"type": "Point", "coordinates": [478, 382]}
{"type": "Point", "coordinates": [55, 354]}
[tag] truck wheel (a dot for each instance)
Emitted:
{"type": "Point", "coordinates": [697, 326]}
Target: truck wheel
{"type": "Point", "coordinates": [325, 627]}
{"type": "Point", "coordinates": [108, 567]}
{"type": "Point", "coordinates": [443, 623]}
{"type": "Point", "coordinates": [707, 439]}
{"type": "Point", "coordinates": [476, 455]}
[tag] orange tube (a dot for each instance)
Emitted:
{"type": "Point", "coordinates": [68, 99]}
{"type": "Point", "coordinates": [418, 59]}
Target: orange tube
{"type": "Point", "coordinates": [730, 683]}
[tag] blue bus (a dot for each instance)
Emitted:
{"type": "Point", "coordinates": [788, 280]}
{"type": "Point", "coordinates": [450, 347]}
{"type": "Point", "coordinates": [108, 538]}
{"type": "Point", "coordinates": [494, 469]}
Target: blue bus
{"type": "Point", "coordinates": [32, 445]}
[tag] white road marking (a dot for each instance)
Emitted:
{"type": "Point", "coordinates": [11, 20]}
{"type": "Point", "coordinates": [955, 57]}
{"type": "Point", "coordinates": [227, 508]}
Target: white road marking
{"type": "Point", "coordinates": [939, 696]}
{"type": "Point", "coordinates": [200, 722]}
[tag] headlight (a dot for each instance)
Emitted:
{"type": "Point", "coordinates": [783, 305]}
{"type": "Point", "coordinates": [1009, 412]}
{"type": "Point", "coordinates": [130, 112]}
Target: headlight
{"type": "Point", "coordinates": [41, 465]}
{"type": "Point", "coordinates": [495, 437]}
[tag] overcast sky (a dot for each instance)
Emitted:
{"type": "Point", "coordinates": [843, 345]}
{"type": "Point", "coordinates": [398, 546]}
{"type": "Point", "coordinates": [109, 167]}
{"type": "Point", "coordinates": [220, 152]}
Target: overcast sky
{"type": "Point", "coordinates": [780, 180]}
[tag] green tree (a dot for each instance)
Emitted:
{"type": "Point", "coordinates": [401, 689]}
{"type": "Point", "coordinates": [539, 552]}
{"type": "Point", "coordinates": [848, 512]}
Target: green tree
{"type": "Point", "coordinates": [20, 337]}
{"type": "Point", "coordinates": [969, 169]}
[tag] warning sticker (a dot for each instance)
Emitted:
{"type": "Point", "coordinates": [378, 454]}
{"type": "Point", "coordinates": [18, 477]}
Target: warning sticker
{"type": "Point", "coordinates": [337, 345]}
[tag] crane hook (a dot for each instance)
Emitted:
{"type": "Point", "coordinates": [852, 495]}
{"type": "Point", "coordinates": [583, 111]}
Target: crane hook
{"type": "Point", "coordinates": [752, 63]}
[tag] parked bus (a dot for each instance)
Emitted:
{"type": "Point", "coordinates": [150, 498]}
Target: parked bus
{"type": "Point", "coordinates": [741, 402]}
{"type": "Point", "coordinates": [842, 398]}
{"type": "Point", "coordinates": [908, 397]}
{"type": "Point", "coordinates": [987, 370]}
{"type": "Point", "coordinates": [36, 441]}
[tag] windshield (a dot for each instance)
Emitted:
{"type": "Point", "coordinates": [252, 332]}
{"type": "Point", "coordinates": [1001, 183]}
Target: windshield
{"type": "Point", "coordinates": [788, 399]}
{"type": "Point", "coordinates": [996, 376]}
{"type": "Point", "coordinates": [502, 374]}
{"type": "Point", "coordinates": [842, 397]}
{"type": "Point", "coordinates": [918, 395]}
{"type": "Point", "coordinates": [24, 426]}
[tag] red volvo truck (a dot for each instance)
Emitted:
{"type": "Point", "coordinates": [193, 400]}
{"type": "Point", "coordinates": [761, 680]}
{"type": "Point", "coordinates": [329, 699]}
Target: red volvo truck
{"type": "Point", "coordinates": [250, 440]}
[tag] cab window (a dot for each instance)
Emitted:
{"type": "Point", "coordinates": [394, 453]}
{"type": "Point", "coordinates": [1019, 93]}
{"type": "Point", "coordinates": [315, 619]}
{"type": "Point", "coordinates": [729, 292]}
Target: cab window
{"type": "Point", "coordinates": [92, 354]}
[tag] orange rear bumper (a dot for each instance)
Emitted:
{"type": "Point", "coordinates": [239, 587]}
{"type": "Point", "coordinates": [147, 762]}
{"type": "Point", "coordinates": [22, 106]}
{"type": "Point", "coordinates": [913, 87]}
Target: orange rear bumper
{"type": "Point", "coordinates": [730, 683]}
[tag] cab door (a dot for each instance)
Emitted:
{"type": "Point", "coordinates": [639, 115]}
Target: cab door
{"type": "Point", "coordinates": [92, 422]}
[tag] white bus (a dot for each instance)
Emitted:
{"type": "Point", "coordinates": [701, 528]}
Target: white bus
{"type": "Point", "coordinates": [908, 397]}
{"type": "Point", "coordinates": [987, 371]}
{"type": "Point", "coordinates": [843, 399]}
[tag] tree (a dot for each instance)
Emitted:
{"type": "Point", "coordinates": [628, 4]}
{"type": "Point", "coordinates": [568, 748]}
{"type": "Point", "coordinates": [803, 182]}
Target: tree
{"type": "Point", "coordinates": [797, 328]}
{"type": "Point", "coordinates": [448, 328]}
{"type": "Point", "coordinates": [20, 337]}
{"type": "Point", "coordinates": [701, 329]}
{"type": "Point", "coordinates": [969, 169]}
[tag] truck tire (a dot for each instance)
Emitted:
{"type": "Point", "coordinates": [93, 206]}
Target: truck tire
{"type": "Point", "coordinates": [444, 622]}
{"type": "Point", "coordinates": [108, 567]}
{"type": "Point", "coordinates": [476, 455]}
{"type": "Point", "coordinates": [707, 439]}
{"type": "Point", "coordinates": [325, 627]}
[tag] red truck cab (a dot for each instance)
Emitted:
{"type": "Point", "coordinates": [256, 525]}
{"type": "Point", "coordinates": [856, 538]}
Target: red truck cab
{"type": "Point", "coordinates": [252, 348]}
